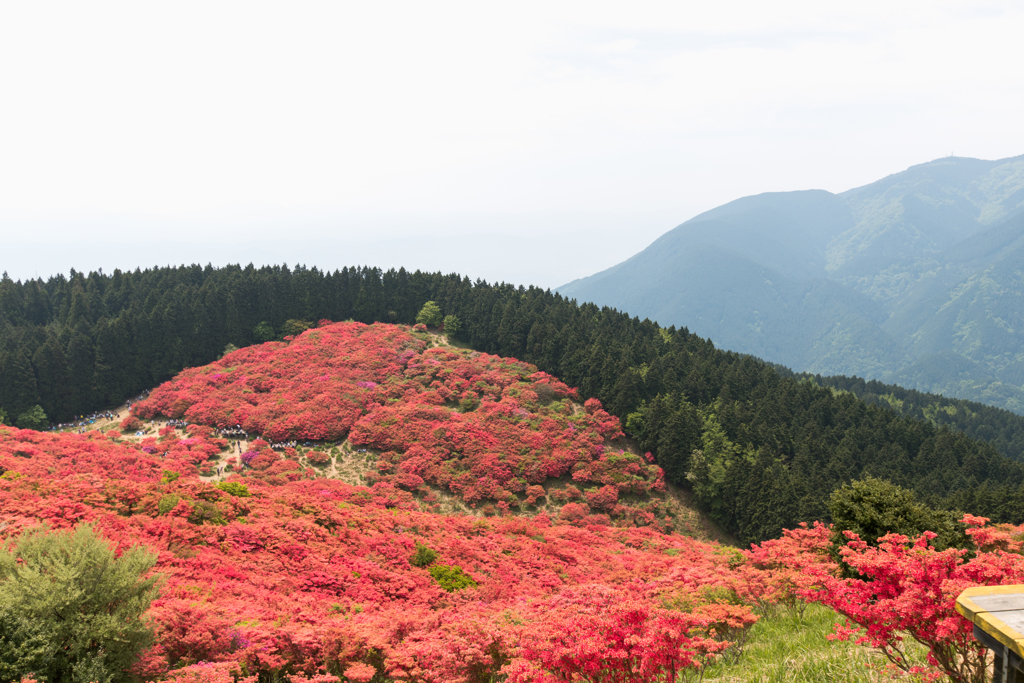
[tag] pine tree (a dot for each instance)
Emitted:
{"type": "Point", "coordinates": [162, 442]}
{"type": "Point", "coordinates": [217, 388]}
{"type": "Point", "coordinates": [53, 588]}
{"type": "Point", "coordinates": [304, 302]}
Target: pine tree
{"type": "Point", "coordinates": [81, 360]}
{"type": "Point", "coordinates": [18, 392]}
{"type": "Point", "coordinates": [54, 379]}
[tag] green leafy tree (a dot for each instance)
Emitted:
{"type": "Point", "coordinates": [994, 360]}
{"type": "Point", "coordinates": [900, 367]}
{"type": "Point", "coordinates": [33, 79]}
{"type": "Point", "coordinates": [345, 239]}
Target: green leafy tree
{"type": "Point", "coordinates": [872, 508]}
{"type": "Point", "coordinates": [264, 332]}
{"type": "Point", "coordinates": [23, 649]}
{"type": "Point", "coordinates": [711, 463]}
{"type": "Point", "coordinates": [3, 416]}
{"type": "Point", "coordinates": [451, 325]}
{"type": "Point", "coordinates": [430, 314]}
{"type": "Point", "coordinates": [82, 600]}
{"type": "Point", "coordinates": [293, 326]}
{"type": "Point", "coordinates": [33, 418]}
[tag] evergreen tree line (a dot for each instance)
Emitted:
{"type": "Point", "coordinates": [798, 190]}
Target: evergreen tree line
{"type": "Point", "coordinates": [998, 426]}
{"type": "Point", "coordinates": [760, 450]}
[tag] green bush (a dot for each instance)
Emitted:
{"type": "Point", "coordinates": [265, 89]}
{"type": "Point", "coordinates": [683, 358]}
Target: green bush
{"type": "Point", "coordinates": [234, 488]}
{"type": "Point", "coordinates": [423, 556]}
{"type": "Point", "coordinates": [84, 604]}
{"type": "Point", "coordinates": [23, 648]}
{"type": "Point", "coordinates": [264, 332]}
{"type": "Point", "coordinates": [205, 512]}
{"type": "Point", "coordinates": [167, 503]}
{"type": "Point", "coordinates": [872, 508]}
{"type": "Point", "coordinates": [430, 314]}
{"type": "Point", "coordinates": [451, 578]}
{"type": "Point", "coordinates": [33, 418]}
{"type": "Point", "coordinates": [451, 325]}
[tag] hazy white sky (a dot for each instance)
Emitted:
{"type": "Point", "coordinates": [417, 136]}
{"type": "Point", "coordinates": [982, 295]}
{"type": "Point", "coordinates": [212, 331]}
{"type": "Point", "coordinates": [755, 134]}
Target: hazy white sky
{"type": "Point", "coordinates": [561, 137]}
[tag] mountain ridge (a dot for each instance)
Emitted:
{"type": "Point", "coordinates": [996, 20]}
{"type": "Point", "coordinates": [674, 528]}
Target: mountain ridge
{"type": "Point", "coordinates": [871, 282]}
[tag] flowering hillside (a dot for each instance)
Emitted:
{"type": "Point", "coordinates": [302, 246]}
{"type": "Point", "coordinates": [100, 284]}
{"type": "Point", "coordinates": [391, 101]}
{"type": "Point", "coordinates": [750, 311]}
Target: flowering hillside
{"type": "Point", "coordinates": [490, 430]}
{"type": "Point", "coordinates": [315, 574]}
{"type": "Point", "coordinates": [275, 571]}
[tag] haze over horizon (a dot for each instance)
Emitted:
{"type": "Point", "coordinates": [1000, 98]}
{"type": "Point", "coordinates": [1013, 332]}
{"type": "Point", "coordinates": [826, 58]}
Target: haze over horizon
{"type": "Point", "coordinates": [534, 145]}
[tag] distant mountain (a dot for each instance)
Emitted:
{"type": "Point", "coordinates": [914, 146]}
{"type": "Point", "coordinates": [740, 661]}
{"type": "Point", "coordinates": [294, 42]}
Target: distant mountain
{"type": "Point", "coordinates": [916, 279]}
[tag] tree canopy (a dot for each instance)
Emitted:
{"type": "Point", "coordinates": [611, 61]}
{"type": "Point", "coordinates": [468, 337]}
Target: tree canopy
{"type": "Point", "coordinates": [72, 595]}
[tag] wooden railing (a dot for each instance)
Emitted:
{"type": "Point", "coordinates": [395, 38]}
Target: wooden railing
{"type": "Point", "coordinates": [997, 613]}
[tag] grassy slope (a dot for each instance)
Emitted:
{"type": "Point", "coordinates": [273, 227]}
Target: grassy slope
{"type": "Point", "coordinates": [787, 648]}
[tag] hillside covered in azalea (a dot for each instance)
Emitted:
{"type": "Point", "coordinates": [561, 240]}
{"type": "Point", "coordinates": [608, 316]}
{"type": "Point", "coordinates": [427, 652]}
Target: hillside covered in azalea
{"type": "Point", "coordinates": [314, 575]}
{"type": "Point", "coordinates": [272, 568]}
{"type": "Point", "coordinates": [492, 431]}
{"type": "Point", "coordinates": [74, 346]}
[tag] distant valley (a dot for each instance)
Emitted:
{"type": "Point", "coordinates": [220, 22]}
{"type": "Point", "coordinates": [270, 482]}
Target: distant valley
{"type": "Point", "coordinates": [916, 279]}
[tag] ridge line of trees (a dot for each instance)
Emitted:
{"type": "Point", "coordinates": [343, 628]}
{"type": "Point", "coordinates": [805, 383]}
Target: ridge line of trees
{"type": "Point", "coordinates": [761, 450]}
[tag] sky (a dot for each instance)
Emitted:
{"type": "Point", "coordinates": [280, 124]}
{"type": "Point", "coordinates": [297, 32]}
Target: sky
{"type": "Point", "coordinates": [524, 142]}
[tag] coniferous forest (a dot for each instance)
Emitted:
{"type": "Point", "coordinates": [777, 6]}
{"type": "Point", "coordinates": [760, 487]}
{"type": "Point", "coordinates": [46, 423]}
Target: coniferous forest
{"type": "Point", "coordinates": [760, 449]}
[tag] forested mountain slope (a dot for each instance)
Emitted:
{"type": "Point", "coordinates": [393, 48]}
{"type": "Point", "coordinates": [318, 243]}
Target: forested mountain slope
{"type": "Point", "coordinates": [915, 279]}
{"type": "Point", "coordinates": [997, 426]}
{"type": "Point", "coordinates": [771, 448]}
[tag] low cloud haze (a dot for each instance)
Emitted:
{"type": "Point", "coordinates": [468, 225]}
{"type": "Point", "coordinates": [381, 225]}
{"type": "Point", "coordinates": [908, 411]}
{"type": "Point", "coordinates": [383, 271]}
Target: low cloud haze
{"type": "Point", "coordinates": [542, 250]}
{"type": "Point", "coordinates": [532, 143]}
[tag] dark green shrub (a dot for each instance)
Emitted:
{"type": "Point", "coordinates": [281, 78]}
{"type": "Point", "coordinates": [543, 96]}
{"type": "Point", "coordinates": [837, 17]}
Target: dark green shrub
{"type": "Point", "coordinates": [423, 556]}
{"type": "Point", "coordinates": [23, 647]}
{"type": "Point", "coordinates": [264, 332]}
{"type": "Point", "coordinates": [872, 508]}
{"type": "Point", "coordinates": [205, 512]}
{"type": "Point", "coordinates": [33, 418]}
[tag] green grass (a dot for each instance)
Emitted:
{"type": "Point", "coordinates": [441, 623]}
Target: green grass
{"type": "Point", "coordinates": [784, 647]}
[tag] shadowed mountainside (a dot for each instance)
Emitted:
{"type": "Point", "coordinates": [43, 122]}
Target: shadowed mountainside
{"type": "Point", "coordinates": [914, 279]}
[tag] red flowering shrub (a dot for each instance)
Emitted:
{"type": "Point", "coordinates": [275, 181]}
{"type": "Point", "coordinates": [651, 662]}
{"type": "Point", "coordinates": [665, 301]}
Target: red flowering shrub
{"type": "Point", "coordinates": [603, 498]}
{"type": "Point", "coordinates": [573, 512]}
{"type": "Point", "coordinates": [282, 573]}
{"type": "Point", "coordinates": [484, 427]}
{"type": "Point", "coordinates": [596, 633]}
{"type": "Point", "coordinates": [311, 573]}
{"type": "Point", "coordinates": [131, 424]}
{"type": "Point", "coordinates": [318, 457]}
{"type": "Point", "coordinates": [534, 493]}
{"type": "Point", "coordinates": [909, 588]}
{"type": "Point", "coordinates": [784, 570]}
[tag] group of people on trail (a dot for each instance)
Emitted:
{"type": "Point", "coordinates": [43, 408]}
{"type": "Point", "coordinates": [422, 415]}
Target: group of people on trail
{"type": "Point", "coordinates": [83, 421]}
{"type": "Point", "coordinates": [143, 395]}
